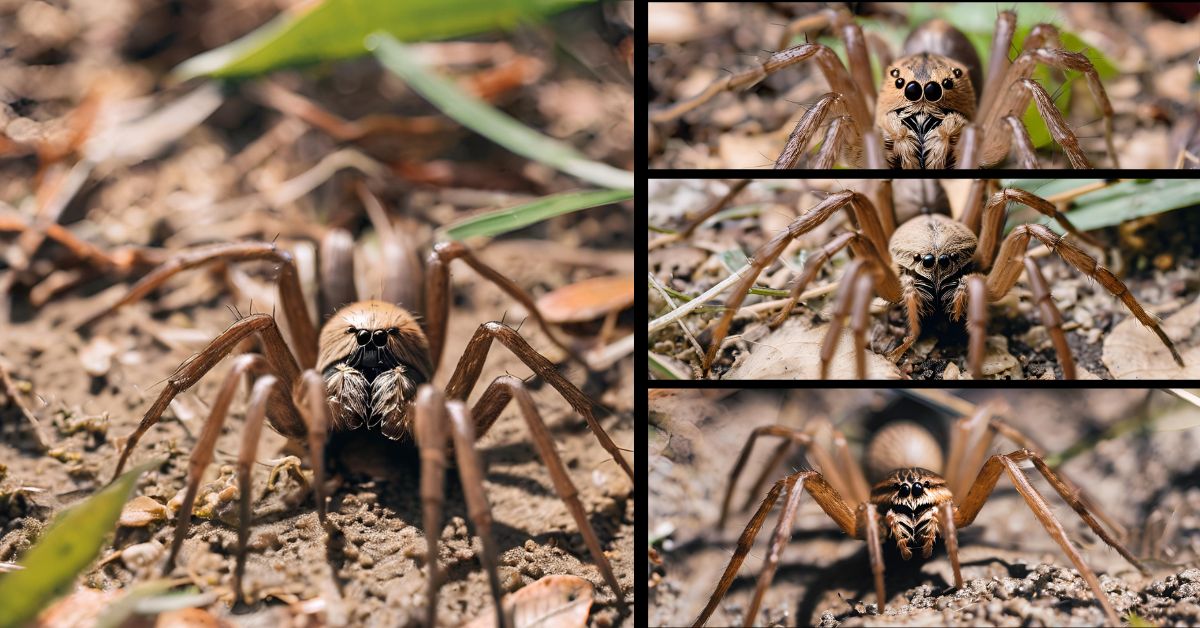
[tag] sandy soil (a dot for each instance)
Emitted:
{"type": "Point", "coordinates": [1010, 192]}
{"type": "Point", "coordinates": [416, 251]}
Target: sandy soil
{"type": "Point", "coordinates": [1014, 573]}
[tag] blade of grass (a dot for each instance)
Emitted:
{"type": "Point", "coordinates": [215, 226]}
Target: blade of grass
{"type": "Point", "coordinates": [1127, 200]}
{"type": "Point", "coordinates": [334, 29]}
{"type": "Point", "coordinates": [69, 545]}
{"type": "Point", "coordinates": [504, 220]}
{"type": "Point", "coordinates": [491, 122]}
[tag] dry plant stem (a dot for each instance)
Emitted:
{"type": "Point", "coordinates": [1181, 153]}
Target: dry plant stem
{"type": "Point", "coordinates": [10, 391]}
{"type": "Point", "coordinates": [671, 301]}
{"type": "Point", "coordinates": [469, 367]}
{"type": "Point", "coordinates": [665, 320]}
{"type": "Point", "coordinates": [734, 189]}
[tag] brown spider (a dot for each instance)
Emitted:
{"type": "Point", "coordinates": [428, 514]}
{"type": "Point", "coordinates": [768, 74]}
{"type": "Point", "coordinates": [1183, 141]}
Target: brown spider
{"type": "Point", "coordinates": [935, 266]}
{"type": "Point", "coordinates": [370, 369]}
{"type": "Point", "coordinates": [929, 109]}
{"type": "Point", "coordinates": [919, 495]}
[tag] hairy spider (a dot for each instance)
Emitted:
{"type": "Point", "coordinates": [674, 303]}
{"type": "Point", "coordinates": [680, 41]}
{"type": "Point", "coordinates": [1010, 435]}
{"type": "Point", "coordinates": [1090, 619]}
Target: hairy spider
{"type": "Point", "coordinates": [939, 268]}
{"type": "Point", "coordinates": [919, 495]}
{"type": "Point", "coordinates": [371, 369]}
{"type": "Point", "coordinates": [934, 107]}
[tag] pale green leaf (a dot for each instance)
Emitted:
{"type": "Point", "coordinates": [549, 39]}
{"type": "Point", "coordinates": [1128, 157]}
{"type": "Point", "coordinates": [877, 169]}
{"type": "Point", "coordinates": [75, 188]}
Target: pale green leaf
{"type": "Point", "coordinates": [500, 221]}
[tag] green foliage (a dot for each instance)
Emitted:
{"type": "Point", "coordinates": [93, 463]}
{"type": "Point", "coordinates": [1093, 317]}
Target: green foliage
{"type": "Point", "coordinates": [504, 220]}
{"type": "Point", "coordinates": [335, 29]}
{"type": "Point", "coordinates": [1116, 203]}
{"type": "Point", "coordinates": [68, 546]}
{"type": "Point", "coordinates": [491, 122]}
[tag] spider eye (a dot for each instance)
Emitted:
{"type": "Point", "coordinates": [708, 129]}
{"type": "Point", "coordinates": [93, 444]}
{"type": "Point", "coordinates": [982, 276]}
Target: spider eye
{"type": "Point", "coordinates": [895, 72]}
{"type": "Point", "coordinates": [933, 92]}
{"type": "Point", "coordinates": [927, 261]}
{"type": "Point", "coordinates": [902, 490]}
{"type": "Point", "coordinates": [917, 489]}
{"type": "Point", "coordinates": [957, 73]}
{"type": "Point", "coordinates": [351, 330]}
{"type": "Point", "coordinates": [912, 91]}
{"type": "Point", "coordinates": [944, 261]}
{"type": "Point", "coordinates": [947, 83]}
{"type": "Point", "coordinates": [363, 337]}
{"type": "Point", "coordinates": [393, 331]}
{"type": "Point", "coordinates": [899, 83]}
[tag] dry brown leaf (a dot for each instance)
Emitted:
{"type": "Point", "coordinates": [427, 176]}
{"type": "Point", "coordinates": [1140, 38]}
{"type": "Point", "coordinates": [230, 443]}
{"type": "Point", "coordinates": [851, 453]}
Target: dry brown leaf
{"type": "Point", "coordinates": [551, 602]}
{"type": "Point", "coordinates": [794, 352]}
{"type": "Point", "coordinates": [141, 511]}
{"type": "Point", "coordinates": [1132, 351]}
{"type": "Point", "coordinates": [587, 300]}
{"type": "Point", "coordinates": [81, 608]}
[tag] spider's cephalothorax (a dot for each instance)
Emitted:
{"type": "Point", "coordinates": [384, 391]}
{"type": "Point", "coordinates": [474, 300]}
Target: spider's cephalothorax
{"type": "Point", "coordinates": [908, 500]}
{"type": "Point", "coordinates": [933, 253]}
{"type": "Point", "coordinates": [373, 357]}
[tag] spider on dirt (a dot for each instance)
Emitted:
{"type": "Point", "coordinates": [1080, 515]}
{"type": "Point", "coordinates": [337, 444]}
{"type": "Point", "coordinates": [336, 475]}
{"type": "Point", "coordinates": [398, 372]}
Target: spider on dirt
{"type": "Point", "coordinates": [929, 109]}
{"type": "Point", "coordinates": [939, 268]}
{"type": "Point", "coordinates": [918, 495]}
{"type": "Point", "coordinates": [371, 369]}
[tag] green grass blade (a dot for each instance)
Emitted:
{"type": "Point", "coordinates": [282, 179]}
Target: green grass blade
{"type": "Point", "coordinates": [69, 545]}
{"type": "Point", "coordinates": [1127, 200]}
{"type": "Point", "coordinates": [491, 122]}
{"type": "Point", "coordinates": [335, 29]}
{"type": "Point", "coordinates": [504, 220]}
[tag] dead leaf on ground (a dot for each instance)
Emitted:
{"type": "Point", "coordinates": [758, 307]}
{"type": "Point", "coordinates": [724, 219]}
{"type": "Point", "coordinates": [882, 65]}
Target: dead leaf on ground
{"type": "Point", "coordinates": [1132, 351]}
{"type": "Point", "coordinates": [794, 352]}
{"type": "Point", "coordinates": [551, 602]}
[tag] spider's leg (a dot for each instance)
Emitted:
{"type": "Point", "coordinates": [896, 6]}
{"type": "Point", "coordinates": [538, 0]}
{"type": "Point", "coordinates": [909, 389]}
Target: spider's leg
{"type": "Point", "coordinates": [812, 266]}
{"type": "Point", "coordinates": [1051, 317]}
{"type": "Point", "coordinates": [826, 497]}
{"type": "Point", "coordinates": [336, 261]}
{"type": "Point", "coordinates": [256, 413]}
{"type": "Point", "coordinates": [283, 416]}
{"type": "Point", "coordinates": [1022, 143]}
{"type": "Point", "coordinates": [766, 255]}
{"type": "Point", "coordinates": [304, 335]}
{"type": "Point", "coordinates": [506, 388]}
{"type": "Point", "coordinates": [806, 127]}
{"type": "Point", "coordinates": [1002, 38]}
{"type": "Point", "coordinates": [982, 488]}
{"type": "Point", "coordinates": [841, 309]}
{"type": "Point", "coordinates": [400, 247]}
{"type": "Point", "coordinates": [819, 456]}
{"type": "Point", "coordinates": [699, 219]}
{"type": "Point", "coordinates": [860, 320]}
{"type": "Point", "coordinates": [429, 429]}
{"type": "Point", "coordinates": [950, 533]}
{"type": "Point", "coordinates": [870, 526]}
{"type": "Point", "coordinates": [202, 451]}
{"type": "Point", "coordinates": [311, 402]}
{"type": "Point", "coordinates": [971, 298]}
{"type": "Point", "coordinates": [969, 442]}
{"type": "Point", "coordinates": [1004, 274]}
{"type": "Point", "coordinates": [912, 308]}
{"type": "Point", "coordinates": [469, 367]}
{"type": "Point", "coordinates": [783, 532]}
{"type": "Point", "coordinates": [438, 297]}
{"type": "Point", "coordinates": [996, 211]}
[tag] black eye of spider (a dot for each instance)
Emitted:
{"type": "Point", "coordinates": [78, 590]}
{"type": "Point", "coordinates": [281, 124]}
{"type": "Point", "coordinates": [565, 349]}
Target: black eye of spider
{"type": "Point", "coordinates": [917, 489]}
{"type": "Point", "coordinates": [895, 72]}
{"type": "Point", "coordinates": [902, 490]}
{"type": "Point", "coordinates": [364, 337]}
{"type": "Point", "coordinates": [927, 261]}
{"type": "Point", "coordinates": [944, 261]}
{"type": "Point", "coordinates": [913, 91]}
{"type": "Point", "coordinates": [379, 338]}
{"type": "Point", "coordinates": [947, 83]}
{"type": "Point", "coordinates": [933, 92]}
{"type": "Point", "coordinates": [351, 330]}
{"type": "Point", "coordinates": [957, 73]}
{"type": "Point", "coordinates": [899, 83]}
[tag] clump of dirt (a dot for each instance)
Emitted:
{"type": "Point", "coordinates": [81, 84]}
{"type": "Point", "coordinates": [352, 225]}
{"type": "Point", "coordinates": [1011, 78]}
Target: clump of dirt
{"type": "Point", "coordinates": [1014, 573]}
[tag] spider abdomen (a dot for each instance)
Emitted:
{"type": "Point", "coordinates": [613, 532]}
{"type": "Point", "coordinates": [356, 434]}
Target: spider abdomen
{"type": "Point", "coordinates": [373, 356]}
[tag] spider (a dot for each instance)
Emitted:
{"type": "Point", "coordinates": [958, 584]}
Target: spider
{"type": "Point", "coordinates": [939, 268]}
{"type": "Point", "coordinates": [370, 370]}
{"type": "Point", "coordinates": [919, 495]}
{"type": "Point", "coordinates": [934, 108]}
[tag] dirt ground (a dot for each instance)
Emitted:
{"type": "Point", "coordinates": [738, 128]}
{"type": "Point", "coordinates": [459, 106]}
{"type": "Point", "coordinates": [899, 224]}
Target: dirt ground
{"type": "Point", "coordinates": [1014, 573]}
{"type": "Point", "coordinates": [1153, 92]}
{"type": "Point", "coordinates": [1155, 257]}
{"type": "Point", "coordinates": [250, 171]}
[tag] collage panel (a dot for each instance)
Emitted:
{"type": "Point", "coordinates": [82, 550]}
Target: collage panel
{"type": "Point", "coordinates": [923, 279]}
{"type": "Point", "coordinates": [992, 507]}
{"type": "Point", "coordinates": [938, 85]}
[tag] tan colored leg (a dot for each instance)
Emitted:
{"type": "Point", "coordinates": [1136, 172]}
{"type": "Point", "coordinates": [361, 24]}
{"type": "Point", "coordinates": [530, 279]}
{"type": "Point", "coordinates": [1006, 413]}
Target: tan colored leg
{"type": "Point", "coordinates": [1051, 317]}
{"type": "Point", "coordinates": [256, 413]}
{"type": "Point", "coordinates": [798, 140]}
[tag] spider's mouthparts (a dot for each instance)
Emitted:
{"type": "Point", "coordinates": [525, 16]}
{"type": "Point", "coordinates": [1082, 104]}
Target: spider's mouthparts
{"type": "Point", "coordinates": [371, 361]}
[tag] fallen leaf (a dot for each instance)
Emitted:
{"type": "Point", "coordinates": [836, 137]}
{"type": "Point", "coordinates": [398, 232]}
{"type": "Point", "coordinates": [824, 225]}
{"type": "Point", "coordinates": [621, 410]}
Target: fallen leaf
{"type": "Point", "coordinates": [142, 511]}
{"type": "Point", "coordinates": [587, 300]}
{"type": "Point", "coordinates": [551, 602]}
{"type": "Point", "coordinates": [794, 352]}
{"type": "Point", "coordinates": [1132, 351]}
